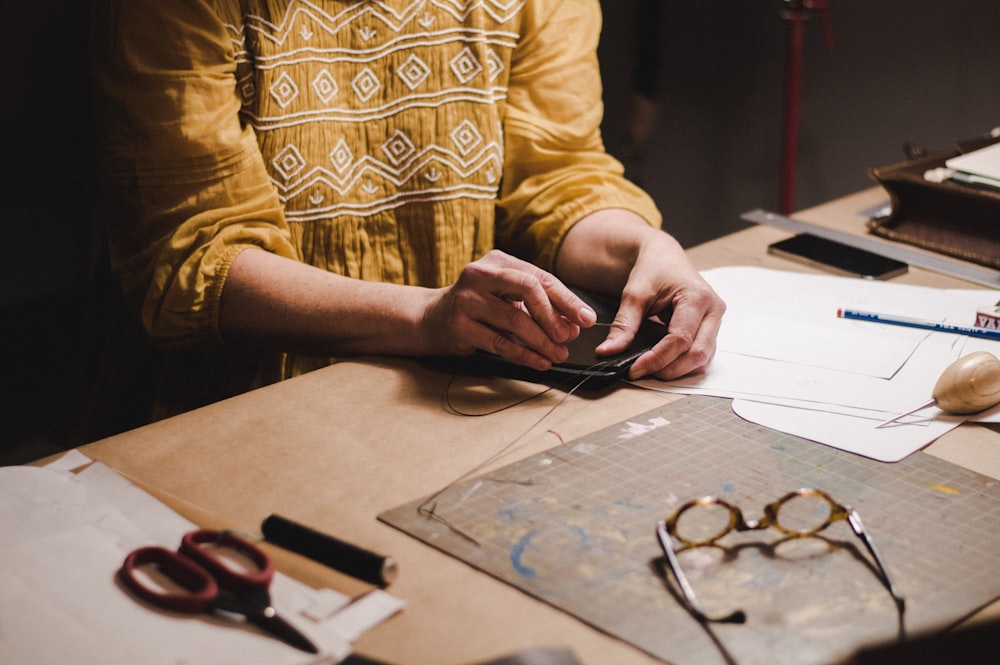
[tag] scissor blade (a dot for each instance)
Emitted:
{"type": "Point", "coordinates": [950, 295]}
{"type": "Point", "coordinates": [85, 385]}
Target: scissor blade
{"type": "Point", "coordinates": [269, 621]}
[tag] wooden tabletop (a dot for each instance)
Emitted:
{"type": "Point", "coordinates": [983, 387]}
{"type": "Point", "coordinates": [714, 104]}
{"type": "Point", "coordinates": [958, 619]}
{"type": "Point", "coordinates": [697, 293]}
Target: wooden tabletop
{"type": "Point", "coordinates": [336, 447]}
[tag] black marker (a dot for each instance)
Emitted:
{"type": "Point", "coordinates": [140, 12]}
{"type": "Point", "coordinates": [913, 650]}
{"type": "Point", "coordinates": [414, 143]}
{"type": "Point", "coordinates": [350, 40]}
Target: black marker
{"type": "Point", "coordinates": [333, 552]}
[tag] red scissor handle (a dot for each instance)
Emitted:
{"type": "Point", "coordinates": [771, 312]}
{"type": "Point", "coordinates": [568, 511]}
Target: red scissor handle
{"type": "Point", "coordinates": [200, 570]}
{"type": "Point", "coordinates": [202, 586]}
{"type": "Point", "coordinates": [228, 577]}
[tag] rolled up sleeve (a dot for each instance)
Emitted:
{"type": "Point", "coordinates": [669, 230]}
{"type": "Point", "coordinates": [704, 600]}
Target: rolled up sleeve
{"type": "Point", "coordinates": [184, 187]}
{"type": "Point", "coordinates": [556, 168]}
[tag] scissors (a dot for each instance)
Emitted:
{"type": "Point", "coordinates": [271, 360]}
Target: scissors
{"type": "Point", "coordinates": [210, 585]}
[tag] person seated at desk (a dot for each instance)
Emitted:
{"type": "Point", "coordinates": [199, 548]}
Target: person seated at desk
{"type": "Point", "coordinates": [288, 182]}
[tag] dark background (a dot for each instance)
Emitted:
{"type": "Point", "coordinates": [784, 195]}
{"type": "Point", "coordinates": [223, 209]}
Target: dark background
{"type": "Point", "coordinates": [903, 71]}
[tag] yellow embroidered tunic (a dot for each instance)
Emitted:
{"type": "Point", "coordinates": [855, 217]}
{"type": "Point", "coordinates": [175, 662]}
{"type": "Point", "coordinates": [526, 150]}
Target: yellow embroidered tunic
{"type": "Point", "coordinates": [391, 140]}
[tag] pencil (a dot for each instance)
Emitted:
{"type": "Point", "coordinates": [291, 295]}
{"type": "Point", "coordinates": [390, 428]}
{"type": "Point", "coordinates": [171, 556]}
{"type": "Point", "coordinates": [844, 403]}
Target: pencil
{"type": "Point", "coordinates": [910, 322]}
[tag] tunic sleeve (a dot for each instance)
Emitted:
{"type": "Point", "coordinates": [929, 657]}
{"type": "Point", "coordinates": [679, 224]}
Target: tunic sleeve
{"type": "Point", "coordinates": [556, 168]}
{"type": "Point", "coordinates": [184, 186]}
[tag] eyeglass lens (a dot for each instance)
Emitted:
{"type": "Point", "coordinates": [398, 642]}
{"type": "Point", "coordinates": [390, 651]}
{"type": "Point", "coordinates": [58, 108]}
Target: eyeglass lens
{"type": "Point", "coordinates": [804, 513]}
{"type": "Point", "coordinates": [703, 523]}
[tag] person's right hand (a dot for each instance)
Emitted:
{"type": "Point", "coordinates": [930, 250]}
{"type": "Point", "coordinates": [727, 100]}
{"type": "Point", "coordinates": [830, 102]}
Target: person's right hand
{"type": "Point", "coordinates": [507, 307]}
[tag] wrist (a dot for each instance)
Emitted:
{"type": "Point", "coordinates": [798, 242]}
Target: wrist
{"type": "Point", "coordinates": [598, 253]}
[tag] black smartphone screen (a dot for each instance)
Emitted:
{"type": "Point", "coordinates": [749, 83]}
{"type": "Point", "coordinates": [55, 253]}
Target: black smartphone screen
{"type": "Point", "coordinates": [837, 257]}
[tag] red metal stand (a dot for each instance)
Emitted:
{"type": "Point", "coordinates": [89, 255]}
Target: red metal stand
{"type": "Point", "coordinates": [795, 13]}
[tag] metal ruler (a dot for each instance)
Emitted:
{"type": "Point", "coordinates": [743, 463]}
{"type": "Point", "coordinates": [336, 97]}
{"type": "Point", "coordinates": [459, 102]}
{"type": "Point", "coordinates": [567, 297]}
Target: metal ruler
{"type": "Point", "coordinates": [933, 262]}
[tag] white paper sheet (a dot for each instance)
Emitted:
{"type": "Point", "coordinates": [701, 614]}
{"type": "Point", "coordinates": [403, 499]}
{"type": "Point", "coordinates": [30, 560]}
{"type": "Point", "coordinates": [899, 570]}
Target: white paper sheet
{"type": "Point", "coordinates": [983, 162]}
{"type": "Point", "coordinates": [846, 432]}
{"type": "Point", "coordinates": [65, 537]}
{"type": "Point", "coordinates": [812, 344]}
{"type": "Point", "coordinates": [793, 365]}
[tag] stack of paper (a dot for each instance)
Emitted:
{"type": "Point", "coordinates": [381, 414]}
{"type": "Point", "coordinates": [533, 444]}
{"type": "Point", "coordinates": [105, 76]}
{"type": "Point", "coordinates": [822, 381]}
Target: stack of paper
{"type": "Point", "coordinates": [979, 167]}
{"type": "Point", "coordinates": [791, 364]}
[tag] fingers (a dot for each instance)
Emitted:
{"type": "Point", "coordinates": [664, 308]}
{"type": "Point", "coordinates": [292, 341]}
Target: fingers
{"type": "Point", "coordinates": [689, 345]}
{"type": "Point", "coordinates": [555, 308]}
{"type": "Point", "coordinates": [695, 315]}
{"type": "Point", "coordinates": [505, 328]}
{"type": "Point", "coordinates": [631, 312]}
{"type": "Point", "coordinates": [678, 353]}
{"type": "Point", "coordinates": [516, 311]}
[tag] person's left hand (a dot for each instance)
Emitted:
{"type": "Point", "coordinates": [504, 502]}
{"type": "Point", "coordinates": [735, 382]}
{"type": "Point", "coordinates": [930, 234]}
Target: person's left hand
{"type": "Point", "coordinates": [663, 281]}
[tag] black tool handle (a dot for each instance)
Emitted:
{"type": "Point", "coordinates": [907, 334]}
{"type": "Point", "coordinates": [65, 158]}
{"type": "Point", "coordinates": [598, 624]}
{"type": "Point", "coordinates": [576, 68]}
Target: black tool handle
{"type": "Point", "coordinates": [330, 551]}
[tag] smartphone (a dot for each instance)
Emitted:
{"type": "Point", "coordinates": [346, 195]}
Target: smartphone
{"type": "Point", "coordinates": [837, 257]}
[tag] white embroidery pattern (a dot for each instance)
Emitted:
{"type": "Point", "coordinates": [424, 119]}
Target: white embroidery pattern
{"type": "Point", "coordinates": [284, 90]}
{"type": "Point", "coordinates": [325, 86]}
{"type": "Point", "coordinates": [369, 65]}
{"type": "Point", "coordinates": [413, 72]}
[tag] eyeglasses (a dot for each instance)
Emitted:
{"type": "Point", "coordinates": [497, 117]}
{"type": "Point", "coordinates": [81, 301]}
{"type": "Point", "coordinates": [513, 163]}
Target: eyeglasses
{"type": "Point", "coordinates": [798, 514]}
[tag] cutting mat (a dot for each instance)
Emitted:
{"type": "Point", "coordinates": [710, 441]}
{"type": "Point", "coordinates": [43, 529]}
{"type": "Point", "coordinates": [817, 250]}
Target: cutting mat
{"type": "Point", "coordinates": [574, 527]}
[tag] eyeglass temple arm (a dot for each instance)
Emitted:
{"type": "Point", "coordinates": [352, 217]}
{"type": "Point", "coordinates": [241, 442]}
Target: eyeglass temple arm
{"type": "Point", "coordinates": [859, 530]}
{"type": "Point", "coordinates": [667, 545]}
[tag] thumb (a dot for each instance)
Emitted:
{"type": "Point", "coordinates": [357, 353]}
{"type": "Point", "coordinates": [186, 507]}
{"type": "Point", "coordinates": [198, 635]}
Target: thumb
{"type": "Point", "coordinates": [622, 332]}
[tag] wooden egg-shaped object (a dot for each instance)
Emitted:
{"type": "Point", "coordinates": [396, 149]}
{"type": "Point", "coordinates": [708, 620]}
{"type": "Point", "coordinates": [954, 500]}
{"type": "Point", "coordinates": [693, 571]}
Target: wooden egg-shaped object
{"type": "Point", "coordinates": [970, 384]}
